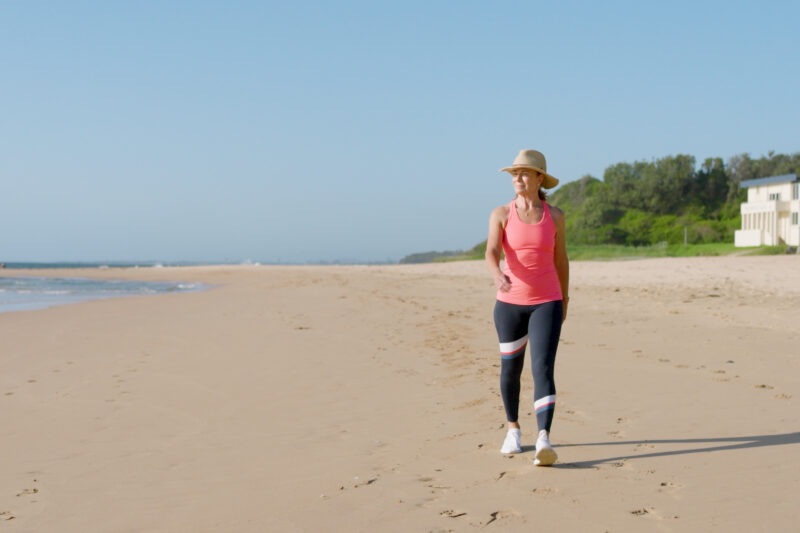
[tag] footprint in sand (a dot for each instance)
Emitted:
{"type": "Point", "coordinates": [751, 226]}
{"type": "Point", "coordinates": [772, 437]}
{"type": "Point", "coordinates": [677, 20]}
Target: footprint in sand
{"type": "Point", "coordinates": [452, 514]}
{"type": "Point", "coordinates": [764, 386]}
{"type": "Point", "coordinates": [544, 491]}
{"type": "Point", "coordinates": [358, 483]}
{"type": "Point", "coordinates": [783, 396]}
{"type": "Point", "coordinates": [453, 436]}
{"type": "Point", "coordinates": [649, 512]}
{"type": "Point", "coordinates": [472, 403]}
{"type": "Point", "coordinates": [504, 516]}
{"type": "Point", "coordinates": [26, 492]}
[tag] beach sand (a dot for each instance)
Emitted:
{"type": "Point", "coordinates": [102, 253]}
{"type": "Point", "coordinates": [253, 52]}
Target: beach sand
{"type": "Point", "coordinates": [365, 398]}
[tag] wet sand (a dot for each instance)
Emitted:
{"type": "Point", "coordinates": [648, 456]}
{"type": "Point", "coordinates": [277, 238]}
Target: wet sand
{"type": "Point", "coordinates": [366, 399]}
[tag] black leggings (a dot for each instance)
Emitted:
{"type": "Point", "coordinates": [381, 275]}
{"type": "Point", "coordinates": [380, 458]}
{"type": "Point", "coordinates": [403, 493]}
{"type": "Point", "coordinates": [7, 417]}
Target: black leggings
{"type": "Point", "coordinates": [516, 325]}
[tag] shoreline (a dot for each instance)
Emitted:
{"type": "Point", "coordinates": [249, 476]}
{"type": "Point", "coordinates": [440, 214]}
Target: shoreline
{"type": "Point", "coordinates": [27, 293]}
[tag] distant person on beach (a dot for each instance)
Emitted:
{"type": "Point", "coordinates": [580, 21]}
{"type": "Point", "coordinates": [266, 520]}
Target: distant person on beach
{"type": "Point", "coordinates": [532, 295]}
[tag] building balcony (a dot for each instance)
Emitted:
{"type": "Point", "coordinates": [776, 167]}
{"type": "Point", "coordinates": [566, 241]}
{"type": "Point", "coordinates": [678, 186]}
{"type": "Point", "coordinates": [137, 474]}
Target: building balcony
{"type": "Point", "coordinates": [770, 206]}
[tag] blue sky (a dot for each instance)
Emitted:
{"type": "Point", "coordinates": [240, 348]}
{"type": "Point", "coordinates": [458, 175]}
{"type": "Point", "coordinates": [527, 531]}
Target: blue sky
{"type": "Point", "coordinates": [357, 131]}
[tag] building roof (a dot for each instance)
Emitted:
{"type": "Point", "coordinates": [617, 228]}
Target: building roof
{"type": "Point", "coordinates": [767, 181]}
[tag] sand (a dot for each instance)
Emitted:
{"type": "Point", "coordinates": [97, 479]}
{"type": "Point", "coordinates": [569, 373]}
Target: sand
{"type": "Point", "coordinates": [366, 399]}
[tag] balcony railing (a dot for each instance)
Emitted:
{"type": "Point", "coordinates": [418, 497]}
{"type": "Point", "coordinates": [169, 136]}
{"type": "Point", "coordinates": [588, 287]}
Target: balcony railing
{"type": "Point", "coordinates": [770, 206]}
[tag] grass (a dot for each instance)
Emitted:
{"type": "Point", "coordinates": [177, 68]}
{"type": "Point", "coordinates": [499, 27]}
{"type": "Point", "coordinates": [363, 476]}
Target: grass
{"type": "Point", "coordinates": [589, 252]}
{"type": "Point", "coordinates": [768, 250]}
{"type": "Point", "coordinates": [611, 252]}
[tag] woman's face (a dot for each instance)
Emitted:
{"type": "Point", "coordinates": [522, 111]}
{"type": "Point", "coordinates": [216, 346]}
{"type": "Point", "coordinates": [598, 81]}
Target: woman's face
{"type": "Point", "coordinates": [526, 180]}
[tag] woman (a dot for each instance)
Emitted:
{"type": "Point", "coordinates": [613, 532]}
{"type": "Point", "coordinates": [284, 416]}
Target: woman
{"type": "Point", "coordinates": [532, 294]}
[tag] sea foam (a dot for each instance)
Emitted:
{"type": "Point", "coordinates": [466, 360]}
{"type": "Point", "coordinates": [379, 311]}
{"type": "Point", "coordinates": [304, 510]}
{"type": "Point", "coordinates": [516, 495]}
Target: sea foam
{"type": "Point", "coordinates": [25, 293]}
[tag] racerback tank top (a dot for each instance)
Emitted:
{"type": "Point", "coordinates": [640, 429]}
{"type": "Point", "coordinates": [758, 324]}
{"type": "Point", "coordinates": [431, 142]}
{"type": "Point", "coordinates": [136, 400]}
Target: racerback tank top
{"type": "Point", "coordinates": [529, 251]}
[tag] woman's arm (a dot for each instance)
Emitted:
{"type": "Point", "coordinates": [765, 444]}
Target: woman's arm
{"type": "Point", "coordinates": [560, 256]}
{"type": "Point", "coordinates": [494, 247]}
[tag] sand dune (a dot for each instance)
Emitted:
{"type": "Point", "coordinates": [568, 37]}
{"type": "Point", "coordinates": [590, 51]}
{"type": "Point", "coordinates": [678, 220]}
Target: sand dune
{"type": "Point", "coordinates": [367, 399]}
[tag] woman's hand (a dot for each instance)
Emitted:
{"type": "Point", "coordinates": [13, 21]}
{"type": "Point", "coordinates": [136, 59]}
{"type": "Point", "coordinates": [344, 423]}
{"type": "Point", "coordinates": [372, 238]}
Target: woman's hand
{"type": "Point", "coordinates": [502, 282]}
{"type": "Point", "coordinates": [564, 302]}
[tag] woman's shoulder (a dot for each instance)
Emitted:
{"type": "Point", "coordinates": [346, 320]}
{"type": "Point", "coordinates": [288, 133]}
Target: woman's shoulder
{"type": "Point", "coordinates": [555, 212]}
{"type": "Point", "coordinates": [500, 213]}
{"type": "Point", "coordinates": [501, 209]}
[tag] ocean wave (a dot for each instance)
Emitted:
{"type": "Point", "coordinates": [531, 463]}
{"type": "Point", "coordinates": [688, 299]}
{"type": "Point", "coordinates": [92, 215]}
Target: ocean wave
{"type": "Point", "coordinates": [38, 293]}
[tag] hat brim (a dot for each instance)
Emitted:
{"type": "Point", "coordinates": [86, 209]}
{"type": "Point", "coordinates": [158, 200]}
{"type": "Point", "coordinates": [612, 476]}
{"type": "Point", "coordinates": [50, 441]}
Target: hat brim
{"type": "Point", "coordinates": [549, 181]}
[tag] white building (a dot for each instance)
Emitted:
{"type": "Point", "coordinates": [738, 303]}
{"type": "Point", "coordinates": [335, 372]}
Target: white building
{"type": "Point", "coordinates": [770, 215]}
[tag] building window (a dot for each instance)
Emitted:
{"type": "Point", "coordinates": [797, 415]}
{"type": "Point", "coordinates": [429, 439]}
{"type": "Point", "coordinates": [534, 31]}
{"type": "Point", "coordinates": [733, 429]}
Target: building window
{"type": "Point", "coordinates": [794, 218]}
{"type": "Point", "coordinates": [795, 191]}
{"type": "Point", "coordinates": [775, 196]}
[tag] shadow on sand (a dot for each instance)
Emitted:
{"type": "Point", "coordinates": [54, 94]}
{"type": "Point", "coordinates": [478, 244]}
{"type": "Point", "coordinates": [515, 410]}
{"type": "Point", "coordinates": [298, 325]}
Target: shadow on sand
{"type": "Point", "coordinates": [722, 444]}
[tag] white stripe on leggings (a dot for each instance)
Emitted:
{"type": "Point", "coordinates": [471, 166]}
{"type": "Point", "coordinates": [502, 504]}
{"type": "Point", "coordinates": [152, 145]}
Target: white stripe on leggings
{"type": "Point", "coordinates": [541, 402]}
{"type": "Point", "coordinates": [511, 347]}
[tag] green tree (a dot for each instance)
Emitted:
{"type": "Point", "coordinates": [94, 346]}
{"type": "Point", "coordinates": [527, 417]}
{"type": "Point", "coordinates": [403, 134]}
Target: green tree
{"type": "Point", "coordinates": [666, 184]}
{"type": "Point", "coordinates": [710, 186]}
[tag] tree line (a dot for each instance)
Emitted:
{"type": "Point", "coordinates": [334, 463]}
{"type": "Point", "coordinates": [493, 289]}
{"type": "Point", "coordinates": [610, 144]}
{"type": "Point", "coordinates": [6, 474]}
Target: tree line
{"type": "Point", "coordinates": [650, 202]}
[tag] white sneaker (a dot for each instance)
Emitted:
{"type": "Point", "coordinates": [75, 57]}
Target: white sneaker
{"type": "Point", "coordinates": [513, 442]}
{"type": "Point", "coordinates": [545, 454]}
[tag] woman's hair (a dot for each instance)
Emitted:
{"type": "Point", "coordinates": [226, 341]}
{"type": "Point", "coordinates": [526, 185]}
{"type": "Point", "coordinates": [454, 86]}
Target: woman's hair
{"type": "Point", "coordinates": [542, 194]}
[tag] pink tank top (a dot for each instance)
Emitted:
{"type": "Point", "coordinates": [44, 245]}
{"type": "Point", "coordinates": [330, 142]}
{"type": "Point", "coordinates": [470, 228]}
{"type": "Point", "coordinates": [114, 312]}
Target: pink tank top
{"type": "Point", "coordinates": [529, 250]}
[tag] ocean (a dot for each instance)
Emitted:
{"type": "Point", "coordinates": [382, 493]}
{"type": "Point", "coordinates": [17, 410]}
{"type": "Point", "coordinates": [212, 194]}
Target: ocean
{"type": "Point", "coordinates": [26, 293]}
{"type": "Point", "coordinates": [79, 264]}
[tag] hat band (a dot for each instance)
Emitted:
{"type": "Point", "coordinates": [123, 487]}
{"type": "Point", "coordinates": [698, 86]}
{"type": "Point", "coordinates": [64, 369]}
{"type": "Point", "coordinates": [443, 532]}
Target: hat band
{"type": "Point", "coordinates": [523, 165]}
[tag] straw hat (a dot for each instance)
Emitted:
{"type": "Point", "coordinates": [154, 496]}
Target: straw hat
{"type": "Point", "coordinates": [535, 160]}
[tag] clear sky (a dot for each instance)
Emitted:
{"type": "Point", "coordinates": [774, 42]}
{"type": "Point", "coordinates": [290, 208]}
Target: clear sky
{"type": "Point", "coordinates": [358, 131]}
